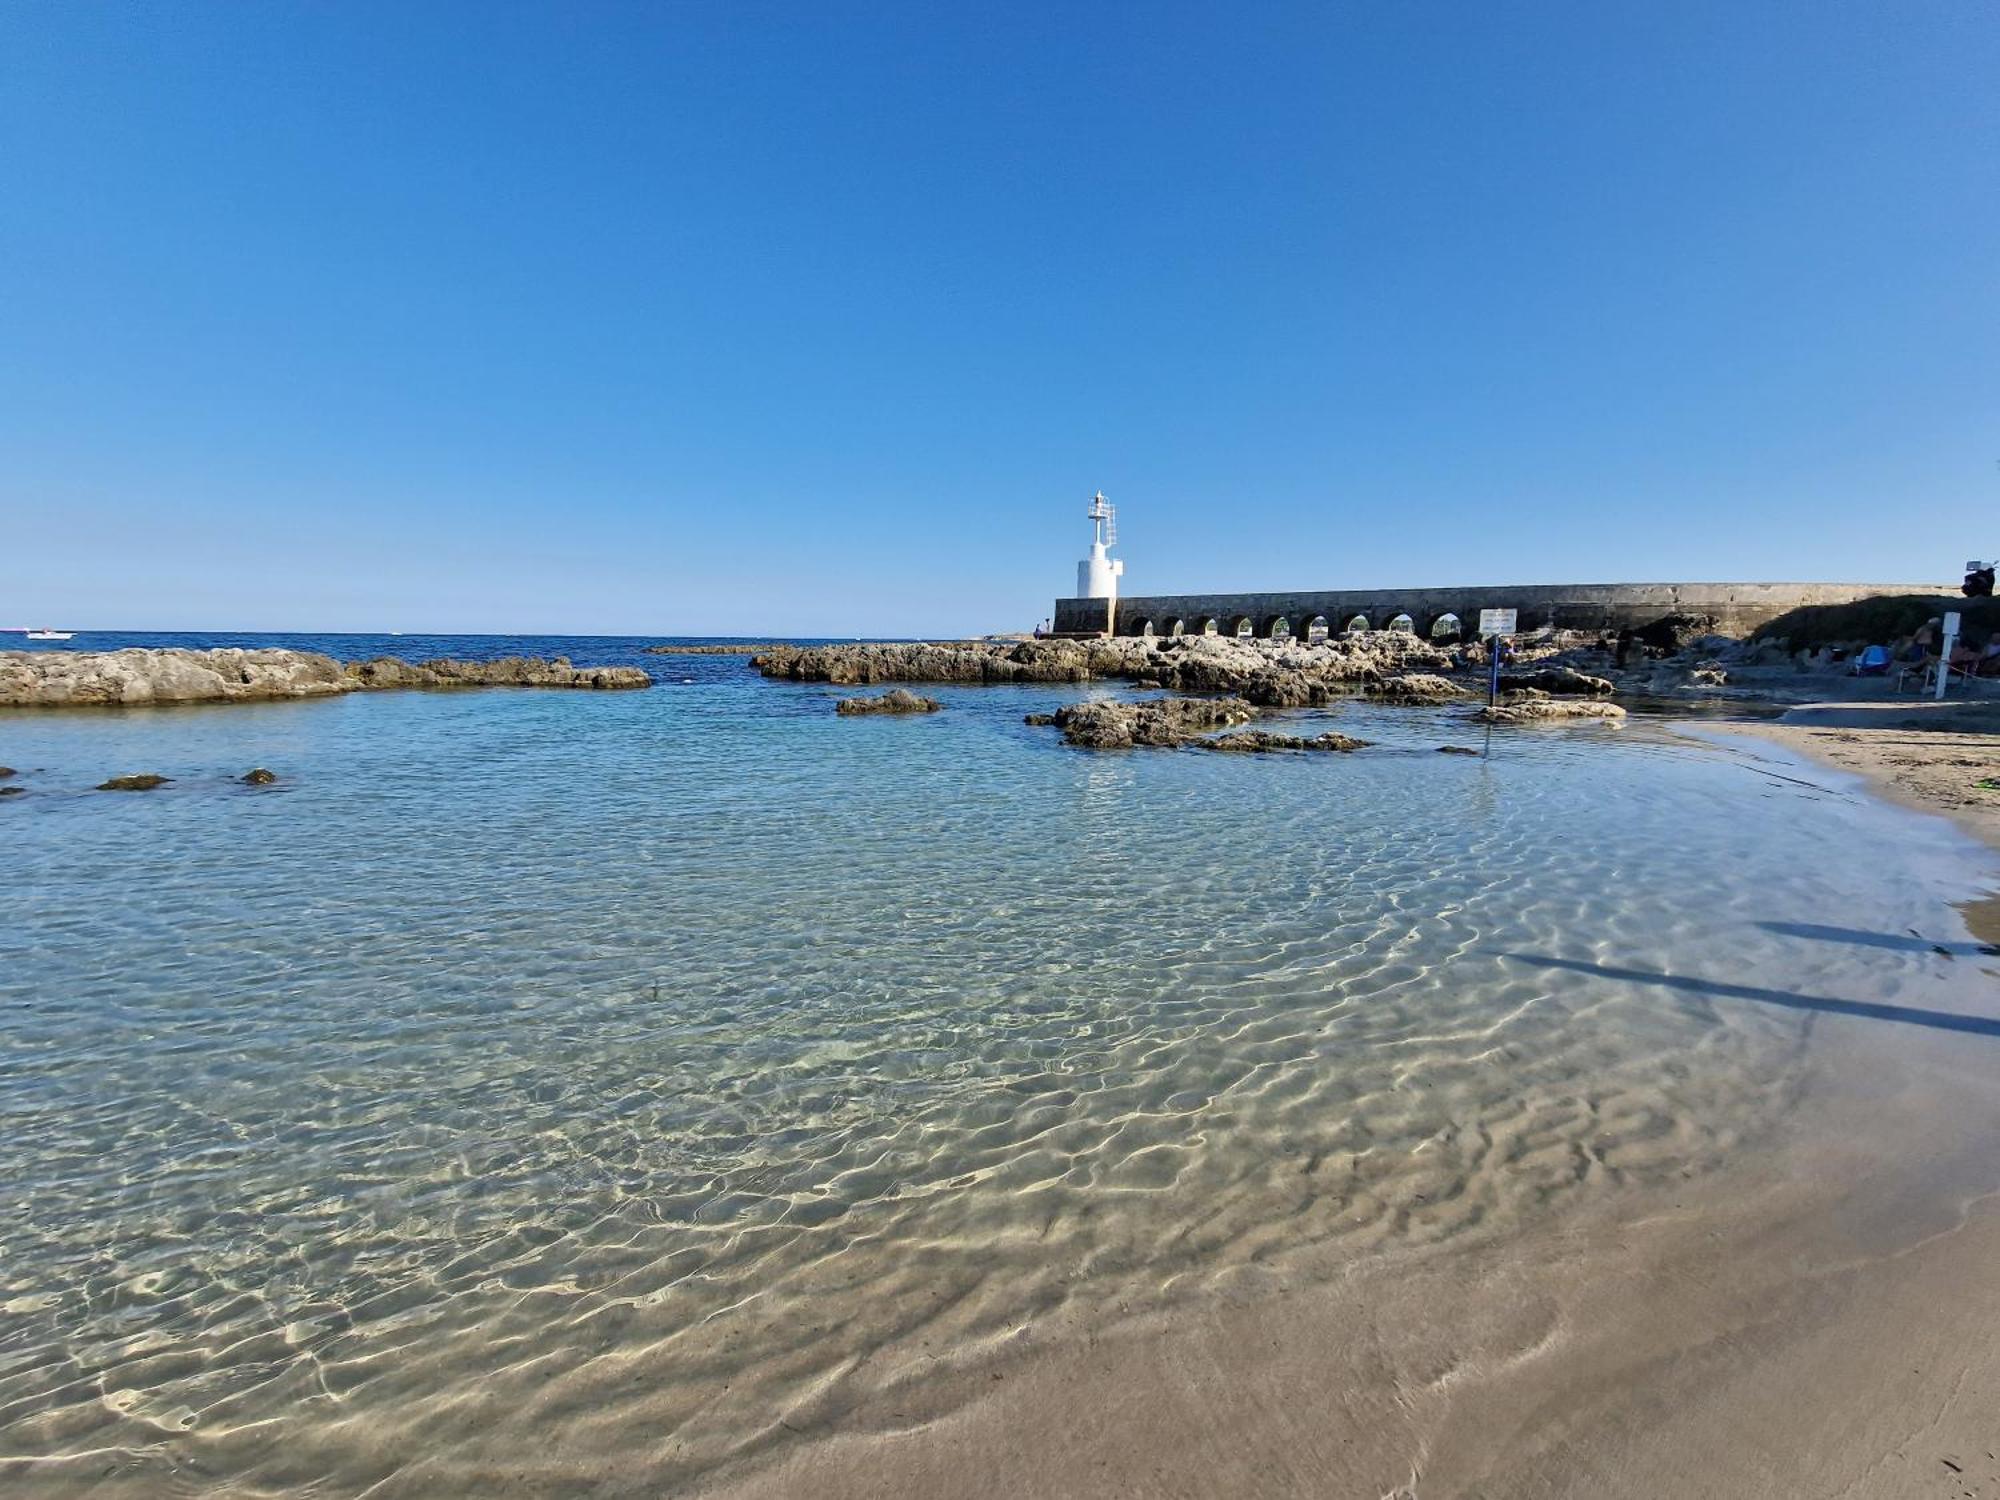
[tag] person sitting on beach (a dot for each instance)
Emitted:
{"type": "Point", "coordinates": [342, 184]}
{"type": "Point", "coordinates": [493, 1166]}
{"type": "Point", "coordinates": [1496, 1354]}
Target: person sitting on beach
{"type": "Point", "coordinates": [1964, 658]}
{"type": "Point", "coordinates": [1915, 650]}
{"type": "Point", "coordinates": [1989, 659]}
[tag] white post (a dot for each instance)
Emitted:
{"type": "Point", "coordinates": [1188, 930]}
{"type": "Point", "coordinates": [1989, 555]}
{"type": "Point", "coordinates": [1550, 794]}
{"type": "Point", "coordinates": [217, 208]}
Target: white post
{"type": "Point", "coordinates": [1944, 653]}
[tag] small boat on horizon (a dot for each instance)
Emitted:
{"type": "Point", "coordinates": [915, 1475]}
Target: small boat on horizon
{"type": "Point", "coordinates": [48, 635]}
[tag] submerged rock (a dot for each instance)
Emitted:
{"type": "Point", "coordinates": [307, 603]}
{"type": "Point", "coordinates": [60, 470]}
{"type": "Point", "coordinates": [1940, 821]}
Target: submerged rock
{"type": "Point", "coordinates": [1457, 750]}
{"type": "Point", "coordinates": [1263, 742]}
{"type": "Point", "coordinates": [1112, 725]}
{"type": "Point", "coordinates": [5, 772]}
{"type": "Point", "coordinates": [259, 777]}
{"type": "Point", "coordinates": [144, 783]}
{"type": "Point", "coordinates": [507, 671]}
{"type": "Point", "coordinates": [896, 701]}
{"type": "Point", "coordinates": [13, 791]}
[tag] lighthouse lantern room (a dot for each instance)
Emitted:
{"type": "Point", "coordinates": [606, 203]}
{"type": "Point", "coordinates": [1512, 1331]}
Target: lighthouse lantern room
{"type": "Point", "coordinates": [1098, 574]}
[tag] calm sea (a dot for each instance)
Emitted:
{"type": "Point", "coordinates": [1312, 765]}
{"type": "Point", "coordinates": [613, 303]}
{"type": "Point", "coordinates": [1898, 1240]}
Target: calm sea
{"type": "Point", "coordinates": [534, 1076]}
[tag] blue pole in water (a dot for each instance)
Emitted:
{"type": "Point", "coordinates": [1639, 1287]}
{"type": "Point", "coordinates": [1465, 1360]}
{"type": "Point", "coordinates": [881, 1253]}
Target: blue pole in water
{"type": "Point", "coordinates": [1493, 671]}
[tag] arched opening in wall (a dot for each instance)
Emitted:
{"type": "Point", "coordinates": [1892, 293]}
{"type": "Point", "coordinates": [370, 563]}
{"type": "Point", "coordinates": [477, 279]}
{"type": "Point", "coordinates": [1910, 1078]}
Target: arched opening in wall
{"type": "Point", "coordinates": [1244, 628]}
{"type": "Point", "coordinates": [1177, 627]}
{"type": "Point", "coordinates": [1358, 625]}
{"type": "Point", "coordinates": [1446, 630]}
{"type": "Point", "coordinates": [1211, 626]}
{"type": "Point", "coordinates": [1404, 624]}
{"type": "Point", "coordinates": [1316, 628]}
{"type": "Point", "coordinates": [1280, 629]}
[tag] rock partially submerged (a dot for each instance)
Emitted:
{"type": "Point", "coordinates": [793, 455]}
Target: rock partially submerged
{"type": "Point", "coordinates": [896, 701]}
{"type": "Point", "coordinates": [169, 675]}
{"type": "Point", "coordinates": [1110, 725]}
{"type": "Point", "coordinates": [62, 679]}
{"type": "Point", "coordinates": [507, 671]}
{"type": "Point", "coordinates": [1531, 705]}
{"type": "Point", "coordinates": [259, 776]}
{"type": "Point", "coordinates": [143, 783]}
{"type": "Point", "coordinates": [1263, 742]}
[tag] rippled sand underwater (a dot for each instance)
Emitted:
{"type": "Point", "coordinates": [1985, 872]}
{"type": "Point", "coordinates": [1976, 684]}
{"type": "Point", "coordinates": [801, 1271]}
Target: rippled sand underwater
{"type": "Point", "coordinates": [539, 1090]}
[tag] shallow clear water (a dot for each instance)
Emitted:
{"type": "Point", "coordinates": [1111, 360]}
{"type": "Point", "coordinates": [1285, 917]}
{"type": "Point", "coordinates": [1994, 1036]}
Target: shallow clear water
{"type": "Point", "coordinates": [534, 1076]}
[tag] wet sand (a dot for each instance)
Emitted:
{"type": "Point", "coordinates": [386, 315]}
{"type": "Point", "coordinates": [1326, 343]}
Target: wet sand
{"type": "Point", "coordinates": [1811, 1320]}
{"type": "Point", "coordinates": [1923, 755]}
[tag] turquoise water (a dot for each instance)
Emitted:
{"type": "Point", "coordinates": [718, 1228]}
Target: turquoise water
{"type": "Point", "coordinates": [531, 1077]}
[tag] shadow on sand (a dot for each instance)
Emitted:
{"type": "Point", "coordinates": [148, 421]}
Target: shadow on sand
{"type": "Point", "coordinates": [1943, 1020]}
{"type": "Point", "coordinates": [1912, 943]}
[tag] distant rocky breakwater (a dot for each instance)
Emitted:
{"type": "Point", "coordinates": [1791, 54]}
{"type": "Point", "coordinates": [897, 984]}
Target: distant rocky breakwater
{"type": "Point", "coordinates": [1267, 674]}
{"type": "Point", "coordinates": [66, 679]}
{"type": "Point", "coordinates": [1239, 681]}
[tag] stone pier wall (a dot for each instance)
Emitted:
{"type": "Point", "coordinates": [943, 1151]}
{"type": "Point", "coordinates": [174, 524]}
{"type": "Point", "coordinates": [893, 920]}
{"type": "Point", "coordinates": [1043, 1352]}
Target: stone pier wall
{"type": "Point", "coordinates": [1738, 608]}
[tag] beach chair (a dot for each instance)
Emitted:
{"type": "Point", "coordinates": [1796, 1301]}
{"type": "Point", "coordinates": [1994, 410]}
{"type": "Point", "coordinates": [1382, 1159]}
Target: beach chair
{"type": "Point", "coordinates": [1872, 662]}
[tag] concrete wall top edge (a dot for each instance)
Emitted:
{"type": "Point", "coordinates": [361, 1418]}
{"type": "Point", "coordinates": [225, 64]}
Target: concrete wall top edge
{"type": "Point", "coordinates": [1547, 590]}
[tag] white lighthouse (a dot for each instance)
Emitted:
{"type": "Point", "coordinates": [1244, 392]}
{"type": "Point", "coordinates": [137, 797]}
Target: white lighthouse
{"type": "Point", "coordinates": [1098, 574]}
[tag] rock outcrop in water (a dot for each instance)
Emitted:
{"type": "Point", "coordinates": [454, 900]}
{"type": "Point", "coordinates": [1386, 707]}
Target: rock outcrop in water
{"type": "Point", "coordinates": [507, 671]}
{"type": "Point", "coordinates": [1268, 674]}
{"type": "Point", "coordinates": [895, 701]}
{"type": "Point", "coordinates": [143, 783]}
{"type": "Point", "coordinates": [259, 776]}
{"type": "Point", "coordinates": [1531, 705]}
{"type": "Point", "coordinates": [62, 679]}
{"type": "Point", "coordinates": [1263, 742]}
{"type": "Point", "coordinates": [1164, 722]}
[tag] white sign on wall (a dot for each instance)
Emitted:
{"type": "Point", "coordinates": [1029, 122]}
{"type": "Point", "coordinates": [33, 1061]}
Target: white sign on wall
{"type": "Point", "coordinates": [1494, 622]}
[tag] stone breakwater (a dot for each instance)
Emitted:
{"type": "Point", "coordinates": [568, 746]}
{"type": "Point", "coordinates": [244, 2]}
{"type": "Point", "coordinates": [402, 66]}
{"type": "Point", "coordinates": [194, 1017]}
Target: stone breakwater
{"type": "Point", "coordinates": [508, 671]}
{"type": "Point", "coordinates": [61, 679]}
{"type": "Point", "coordinates": [1266, 674]}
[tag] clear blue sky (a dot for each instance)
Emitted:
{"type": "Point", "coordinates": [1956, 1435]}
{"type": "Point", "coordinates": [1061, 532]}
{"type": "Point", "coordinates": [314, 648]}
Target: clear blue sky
{"type": "Point", "coordinates": [802, 318]}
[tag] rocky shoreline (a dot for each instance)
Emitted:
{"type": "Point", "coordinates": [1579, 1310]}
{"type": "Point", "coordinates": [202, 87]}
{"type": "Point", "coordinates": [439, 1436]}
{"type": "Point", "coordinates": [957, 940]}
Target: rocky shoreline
{"type": "Point", "coordinates": [71, 679]}
{"type": "Point", "coordinates": [1267, 674]}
